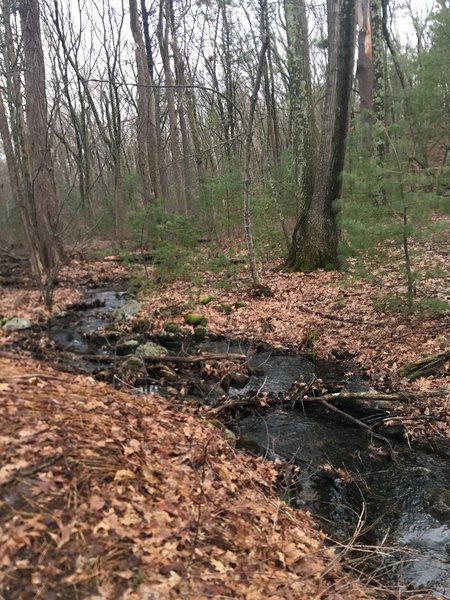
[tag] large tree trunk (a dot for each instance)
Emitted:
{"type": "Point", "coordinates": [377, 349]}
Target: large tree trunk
{"type": "Point", "coordinates": [302, 111]}
{"type": "Point", "coordinates": [316, 237]}
{"type": "Point", "coordinates": [45, 201]}
{"type": "Point", "coordinates": [174, 138]}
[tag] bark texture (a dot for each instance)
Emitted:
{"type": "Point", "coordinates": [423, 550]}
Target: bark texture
{"type": "Point", "coordinates": [316, 236]}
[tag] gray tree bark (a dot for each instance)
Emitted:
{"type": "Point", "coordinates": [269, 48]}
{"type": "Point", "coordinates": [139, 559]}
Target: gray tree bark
{"type": "Point", "coordinates": [316, 236]}
{"type": "Point", "coordinates": [45, 216]}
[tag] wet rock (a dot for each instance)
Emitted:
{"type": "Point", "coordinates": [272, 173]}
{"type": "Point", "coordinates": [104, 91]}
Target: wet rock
{"type": "Point", "coordinates": [128, 310]}
{"type": "Point", "coordinates": [239, 380]}
{"type": "Point", "coordinates": [437, 502]}
{"type": "Point", "coordinates": [127, 347]}
{"type": "Point", "coordinates": [195, 319]}
{"type": "Point", "coordinates": [150, 350]}
{"type": "Point", "coordinates": [167, 338]}
{"type": "Point", "coordinates": [226, 433]}
{"type": "Point", "coordinates": [247, 443]}
{"type": "Point", "coordinates": [17, 324]}
{"type": "Point", "coordinates": [235, 379]}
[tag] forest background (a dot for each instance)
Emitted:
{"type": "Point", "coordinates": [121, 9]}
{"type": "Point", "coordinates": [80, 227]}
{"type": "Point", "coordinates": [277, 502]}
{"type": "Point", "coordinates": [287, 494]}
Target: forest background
{"type": "Point", "coordinates": [138, 133]}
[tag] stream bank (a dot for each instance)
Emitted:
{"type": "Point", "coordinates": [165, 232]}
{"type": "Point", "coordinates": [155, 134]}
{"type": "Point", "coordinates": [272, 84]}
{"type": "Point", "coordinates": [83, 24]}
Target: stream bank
{"type": "Point", "coordinates": [335, 470]}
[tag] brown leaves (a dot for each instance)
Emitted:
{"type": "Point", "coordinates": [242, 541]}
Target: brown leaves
{"type": "Point", "coordinates": [99, 486]}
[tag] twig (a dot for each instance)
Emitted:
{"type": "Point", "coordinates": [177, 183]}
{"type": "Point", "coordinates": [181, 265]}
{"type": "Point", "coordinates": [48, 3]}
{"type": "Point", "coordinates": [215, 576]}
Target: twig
{"type": "Point", "coordinates": [31, 376]}
{"type": "Point", "coordinates": [27, 471]}
{"type": "Point", "coordinates": [354, 420]}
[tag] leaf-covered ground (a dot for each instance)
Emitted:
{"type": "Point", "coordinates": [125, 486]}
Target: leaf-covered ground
{"type": "Point", "coordinates": [109, 495]}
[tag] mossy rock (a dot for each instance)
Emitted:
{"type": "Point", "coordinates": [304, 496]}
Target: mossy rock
{"type": "Point", "coordinates": [127, 347]}
{"type": "Point", "coordinates": [141, 326]}
{"type": "Point", "coordinates": [171, 327]}
{"type": "Point", "coordinates": [247, 443]}
{"type": "Point", "coordinates": [205, 299]}
{"type": "Point", "coordinates": [195, 319]}
{"type": "Point", "coordinates": [240, 304]}
{"type": "Point", "coordinates": [199, 332]}
{"type": "Point", "coordinates": [224, 308]}
{"type": "Point", "coordinates": [151, 350]}
{"type": "Point", "coordinates": [226, 433]}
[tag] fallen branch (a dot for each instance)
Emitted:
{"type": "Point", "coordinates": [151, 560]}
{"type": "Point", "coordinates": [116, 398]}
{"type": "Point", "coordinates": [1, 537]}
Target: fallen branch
{"type": "Point", "coordinates": [429, 365]}
{"type": "Point", "coordinates": [355, 420]}
{"type": "Point", "coordinates": [165, 358]}
{"type": "Point", "coordinates": [374, 396]}
{"type": "Point", "coordinates": [325, 315]}
{"type": "Point", "coordinates": [27, 471]}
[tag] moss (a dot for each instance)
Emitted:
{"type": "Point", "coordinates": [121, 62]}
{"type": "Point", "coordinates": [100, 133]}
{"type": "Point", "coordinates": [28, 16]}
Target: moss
{"type": "Point", "coordinates": [195, 319]}
{"type": "Point", "coordinates": [205, 299]}
{"type": "Point", "coordinates": [311, 336]}
{"type": "Point", "coordinates": [142, 326]}
{"type": "Point", "coordinates": [224, 308]}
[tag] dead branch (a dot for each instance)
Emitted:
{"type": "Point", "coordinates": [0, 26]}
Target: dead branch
{"type": "Point", "coordinates": [325, 315]}
{"type": "Point", "coordinates": [166, 358]}
{"type": "Point", "coordinates": [32, 470]}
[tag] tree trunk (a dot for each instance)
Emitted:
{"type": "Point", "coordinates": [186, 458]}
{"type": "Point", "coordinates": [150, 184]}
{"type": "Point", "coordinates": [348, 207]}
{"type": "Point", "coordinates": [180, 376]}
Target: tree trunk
{"type": "Point", "coordinates": [45, 202]}
{"type": "Point", "coordinates": [365, 73]}
{"type": "Point", "coordinates": [174, 139]}
{"type": "Point", "coordinates": [146, 147]}
{"type": "Point", "coordinates": [302, 112]}
{"type": "Point", "coordinates": [316, 236]}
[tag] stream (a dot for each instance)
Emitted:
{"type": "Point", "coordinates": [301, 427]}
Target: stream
{"type": "Point", "coordinates": [392, 503]}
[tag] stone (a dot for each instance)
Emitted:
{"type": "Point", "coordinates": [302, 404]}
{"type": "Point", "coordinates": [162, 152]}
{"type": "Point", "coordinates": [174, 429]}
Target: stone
{"type": "Point", "coordinates": [205, 299]}
{"type": "Point", "coordinates": [128, 310]}
{"type": "Point", "coordinates": [17, 324]}
{"type": "Point", "coordinates": [239, 380]}
{"type": "Point", "coordinates": [172, 327]}
{"type": "Point", "coordinates": [151, 350]}
{"type": "Point", "coordinates": [128, 347]}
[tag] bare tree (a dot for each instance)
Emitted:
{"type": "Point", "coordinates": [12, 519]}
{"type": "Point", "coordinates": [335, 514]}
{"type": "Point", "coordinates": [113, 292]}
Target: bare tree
{"type": "Point", "coordinates": [26, 137]}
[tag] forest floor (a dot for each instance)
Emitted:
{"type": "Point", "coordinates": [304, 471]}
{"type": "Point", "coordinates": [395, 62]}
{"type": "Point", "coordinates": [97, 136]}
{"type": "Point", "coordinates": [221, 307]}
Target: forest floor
{"type": "Point", "coordinates": [108, 495]}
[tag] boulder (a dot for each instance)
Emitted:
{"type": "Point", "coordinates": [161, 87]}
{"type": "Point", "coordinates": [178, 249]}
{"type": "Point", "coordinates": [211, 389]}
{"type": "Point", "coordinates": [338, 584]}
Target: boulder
{"type": "Point", "coordinates": [127, 310]}
{"type": "Point", "coordinates": [17, 324]}
{"type": "Point", "coordinates": [151, 350]}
